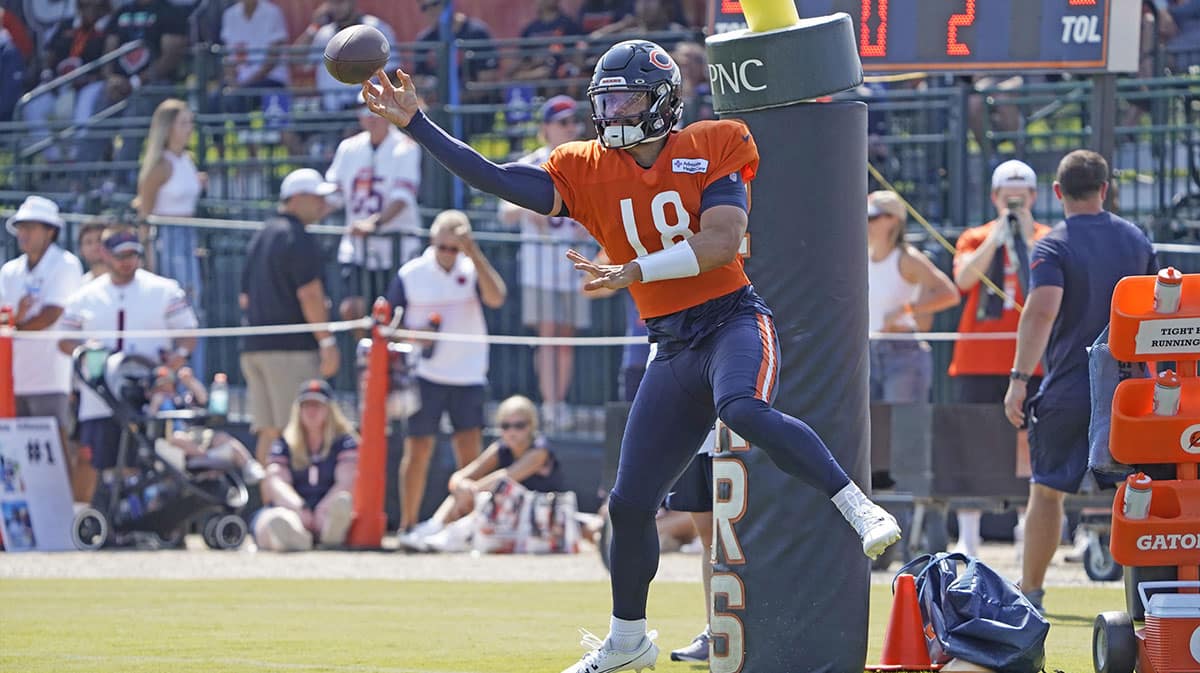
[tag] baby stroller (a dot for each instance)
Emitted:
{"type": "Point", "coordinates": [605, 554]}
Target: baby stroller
{"type": "Point", "coordinates": [149, 493]}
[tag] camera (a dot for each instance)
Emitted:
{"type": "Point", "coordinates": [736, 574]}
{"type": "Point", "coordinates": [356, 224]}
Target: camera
{"type": "Point", "coordinates": [1013, 204]}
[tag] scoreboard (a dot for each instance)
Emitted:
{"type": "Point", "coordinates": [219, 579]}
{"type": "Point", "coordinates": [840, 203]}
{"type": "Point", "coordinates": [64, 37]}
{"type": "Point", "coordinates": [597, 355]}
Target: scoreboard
{"type": "Point", "coordinates": [978, 35]}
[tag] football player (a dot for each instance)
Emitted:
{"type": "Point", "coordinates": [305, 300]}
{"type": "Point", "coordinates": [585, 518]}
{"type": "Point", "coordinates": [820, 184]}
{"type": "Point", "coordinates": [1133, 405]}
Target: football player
{"type": "Point", "coordinates": [670, 210]}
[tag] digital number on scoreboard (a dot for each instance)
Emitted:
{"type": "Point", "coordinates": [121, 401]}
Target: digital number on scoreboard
{"type": "Point", "coordinates": [973, 35]}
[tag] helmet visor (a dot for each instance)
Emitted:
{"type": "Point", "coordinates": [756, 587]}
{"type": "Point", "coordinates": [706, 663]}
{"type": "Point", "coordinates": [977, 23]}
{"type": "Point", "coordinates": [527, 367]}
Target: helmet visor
{"type": "Point", "coordinates": [620, 104]}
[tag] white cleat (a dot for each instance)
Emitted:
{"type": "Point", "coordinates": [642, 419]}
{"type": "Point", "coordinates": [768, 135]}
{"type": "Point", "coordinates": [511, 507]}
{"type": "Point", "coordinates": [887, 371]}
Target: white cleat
{"type": "Point", "coordinates": [877, 528]}
{"type": "Point", "coordinates": [415, 539]}
{"type": "Point", "coordinates": [602, 659]}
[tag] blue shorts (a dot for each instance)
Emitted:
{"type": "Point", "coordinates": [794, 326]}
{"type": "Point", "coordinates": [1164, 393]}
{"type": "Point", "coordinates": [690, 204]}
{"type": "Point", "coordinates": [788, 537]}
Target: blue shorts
{"type": "Point", "coordinates": [1058, 445]}
{"type": "Point", "coordinates": [693, 490]}
{"type": "Point", "coordinates": [684, 389]}
{"type": "Point", "coordinates": [103, 435]}
{"type": "Point", "coordinates": [464, 404]}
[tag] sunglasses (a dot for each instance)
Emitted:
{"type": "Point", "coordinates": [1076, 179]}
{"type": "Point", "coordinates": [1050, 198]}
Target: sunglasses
{"type": "Point", "coordinates": [516, 425]}
{"type": "Point", "coordinates": [124, 256]}
{"type": "Point", "coordinates": [567, 121]}
{"type": "Point", "coordinates": [430, 5]}
{"type": "Point", "coordinates": [446, 248]}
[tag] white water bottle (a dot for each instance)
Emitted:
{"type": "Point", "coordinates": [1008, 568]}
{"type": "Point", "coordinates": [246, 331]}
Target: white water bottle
{"type": "Point", "coordinates": [1166, 394]}
{"type": "Point", "coordinates": [218, 396]}
{"type": "Point", "coordinates": [1168, 290]}
{"type": "Point", "coordinates": [1137, 496]}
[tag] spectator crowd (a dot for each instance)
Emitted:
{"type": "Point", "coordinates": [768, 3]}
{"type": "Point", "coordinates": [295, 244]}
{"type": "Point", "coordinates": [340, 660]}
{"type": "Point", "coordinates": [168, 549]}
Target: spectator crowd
{"type": "Point", "coordinates": [130, 275]}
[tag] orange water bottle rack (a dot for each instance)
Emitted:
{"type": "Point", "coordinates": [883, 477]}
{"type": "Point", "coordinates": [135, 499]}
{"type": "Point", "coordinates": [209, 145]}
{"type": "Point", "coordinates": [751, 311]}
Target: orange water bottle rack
{"type": "Point", "coordinates": [1156, 320]}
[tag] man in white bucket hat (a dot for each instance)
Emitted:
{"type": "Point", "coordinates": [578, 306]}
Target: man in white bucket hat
{"type": "Point", "coordinates": [37, 285]}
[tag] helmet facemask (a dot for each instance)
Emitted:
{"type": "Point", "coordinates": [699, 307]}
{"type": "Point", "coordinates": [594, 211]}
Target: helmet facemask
{"type": "Point", "coordinates": [628, 115]}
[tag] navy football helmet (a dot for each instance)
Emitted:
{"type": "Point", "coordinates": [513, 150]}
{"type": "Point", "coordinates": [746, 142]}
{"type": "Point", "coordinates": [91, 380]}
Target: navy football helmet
{"type": "Point", "coordinates": [635, 94]}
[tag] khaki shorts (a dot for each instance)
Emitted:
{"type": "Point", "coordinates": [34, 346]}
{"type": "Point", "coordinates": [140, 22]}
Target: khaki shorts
{"type": "Point", "coordinates": [556, 306]}
{"type": "Point", "coordinates": [273, 379]}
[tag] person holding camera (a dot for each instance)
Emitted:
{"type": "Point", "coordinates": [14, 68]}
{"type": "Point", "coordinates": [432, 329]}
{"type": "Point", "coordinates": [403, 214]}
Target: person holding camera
{"type": "Point", "coordinates": [998, 251]}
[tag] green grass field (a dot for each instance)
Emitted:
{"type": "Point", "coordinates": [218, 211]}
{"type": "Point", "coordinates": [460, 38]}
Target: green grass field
{"type": "Point", "coordinates": [159, 626]}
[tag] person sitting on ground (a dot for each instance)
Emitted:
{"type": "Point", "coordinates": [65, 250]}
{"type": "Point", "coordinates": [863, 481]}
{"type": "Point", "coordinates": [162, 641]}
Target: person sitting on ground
{"type": "Point", "coordinates": [311, 472]}
{"type": "Point", "coordinates": [196, 440]}
{"type": "Point", "coordinates": [520, 455]}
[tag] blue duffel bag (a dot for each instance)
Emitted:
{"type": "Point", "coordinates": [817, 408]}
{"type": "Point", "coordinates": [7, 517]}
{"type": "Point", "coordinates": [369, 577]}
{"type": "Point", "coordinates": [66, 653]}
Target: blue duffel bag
{"type": "Point", "coordinates": [976, 615]}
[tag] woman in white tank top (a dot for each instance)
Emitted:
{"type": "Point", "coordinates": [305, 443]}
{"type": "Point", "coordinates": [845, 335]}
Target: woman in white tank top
{"type": "Point", "coordinates": [905, 289]}
{"type": "Point", "coordinates": [169, 184]}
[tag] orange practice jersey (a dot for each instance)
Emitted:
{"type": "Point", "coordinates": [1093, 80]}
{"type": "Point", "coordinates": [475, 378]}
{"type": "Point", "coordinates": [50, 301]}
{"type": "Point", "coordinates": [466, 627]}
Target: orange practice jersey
{"type": "Point", "coordinates": [633, 211]}
{"type": "Point", "coordinates": [988, 357]}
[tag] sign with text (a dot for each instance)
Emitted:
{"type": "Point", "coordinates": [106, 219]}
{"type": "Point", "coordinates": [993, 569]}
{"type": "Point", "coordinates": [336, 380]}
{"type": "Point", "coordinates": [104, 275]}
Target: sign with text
{"type": "Point", "coordinates": [971, 36]}
{"type": "Point", "coordinates": [1176, 336]}
{"type": "Point", "coordinates": [35, 497]}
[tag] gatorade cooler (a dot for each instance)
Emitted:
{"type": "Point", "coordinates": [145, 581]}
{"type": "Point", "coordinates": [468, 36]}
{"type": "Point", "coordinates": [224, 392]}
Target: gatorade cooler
{"type": "Point", "coordinates": [1172, 635]}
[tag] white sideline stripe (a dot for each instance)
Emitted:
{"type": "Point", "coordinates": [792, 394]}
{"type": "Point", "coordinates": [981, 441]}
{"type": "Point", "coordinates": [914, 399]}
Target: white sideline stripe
{"type": "Point", "coordinates": [251, 664]}
{"type": "Point", "coordinates": [498, 339]}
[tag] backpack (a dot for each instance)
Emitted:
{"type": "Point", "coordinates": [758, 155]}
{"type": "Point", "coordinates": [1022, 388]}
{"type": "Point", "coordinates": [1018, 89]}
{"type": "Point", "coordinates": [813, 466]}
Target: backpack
{"type": "Point", "coordinates": [977, 616]}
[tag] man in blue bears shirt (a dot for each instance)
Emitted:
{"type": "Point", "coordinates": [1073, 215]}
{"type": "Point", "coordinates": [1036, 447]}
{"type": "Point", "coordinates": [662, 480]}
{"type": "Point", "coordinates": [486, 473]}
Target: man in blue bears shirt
{"type": "Point", "coordinates": [1072, 273]}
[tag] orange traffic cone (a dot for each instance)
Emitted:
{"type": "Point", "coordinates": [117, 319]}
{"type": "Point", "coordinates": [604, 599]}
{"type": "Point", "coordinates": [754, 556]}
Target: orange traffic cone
{"type": "Point", "coordinates": [904, 645]}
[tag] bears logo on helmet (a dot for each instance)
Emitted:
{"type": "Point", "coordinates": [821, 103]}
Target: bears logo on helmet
{"type": "Point", "coordinates": [659, 58]}
{"type": "Point", "coordinates": [635, 94]}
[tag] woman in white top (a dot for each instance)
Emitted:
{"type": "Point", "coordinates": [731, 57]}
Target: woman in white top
{"type": "Point", "coordinates": [551, 302]}
{"type": "Point", "coordinates": [170, 185]}
{"type": "Point", "coordinates": [905, 287]}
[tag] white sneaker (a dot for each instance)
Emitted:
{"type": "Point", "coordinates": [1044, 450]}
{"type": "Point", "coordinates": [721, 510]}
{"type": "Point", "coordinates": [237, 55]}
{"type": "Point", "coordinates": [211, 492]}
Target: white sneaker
{"type": "Point", "coordinates": [337, 520]}
{"type": "Point", "coordinates": [877, 528]}
{"type": "Point", "coordinates": [415, 539]}
{"type": "Point", "coordinates": [601, 658]}
{"type": "Point", "coordinates": [287, 537]}
{"type": "Point", "coordinates": [696, 651]}
{"type": "Point", "coordinates": [455, 537]}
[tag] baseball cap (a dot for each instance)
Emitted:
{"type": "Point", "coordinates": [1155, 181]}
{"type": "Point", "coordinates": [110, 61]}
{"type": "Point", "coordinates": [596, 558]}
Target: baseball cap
{"type": "Point", "coordinates": [315, 390]}
{"type": "Point", "coordinates": [305, 181]}
{"type": "Point", "coordinates": [35, 209]}
{"type": "Point", "coordinates": [884, 202]}
{"type": "Point", "coordinates": [1014, 173]}
{"type": "Point", "coordinates": [558, 107]}
{"type": "Point", "coordinates": [124, 241]}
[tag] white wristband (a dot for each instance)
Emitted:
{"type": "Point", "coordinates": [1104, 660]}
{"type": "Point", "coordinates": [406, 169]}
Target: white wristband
{"type": "Point", "coordinates": [677, 261]}
{"type": "Point", "coordinates": [327, 342]}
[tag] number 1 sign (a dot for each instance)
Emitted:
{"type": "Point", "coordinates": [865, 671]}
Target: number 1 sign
{"type": "Point", "coordinates": [35, 497]}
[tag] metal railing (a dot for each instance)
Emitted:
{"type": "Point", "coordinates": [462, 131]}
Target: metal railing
{"type": "Point", "coordinates": [69, 78]}
{"type": "Point", "coordinates": [920, 141]}
{"type": "Point", "coordinates": [222, 251]}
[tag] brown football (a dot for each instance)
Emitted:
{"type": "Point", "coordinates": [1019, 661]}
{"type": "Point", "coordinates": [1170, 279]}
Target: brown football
{"type": "Point", "coordinates": [355, 53]}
